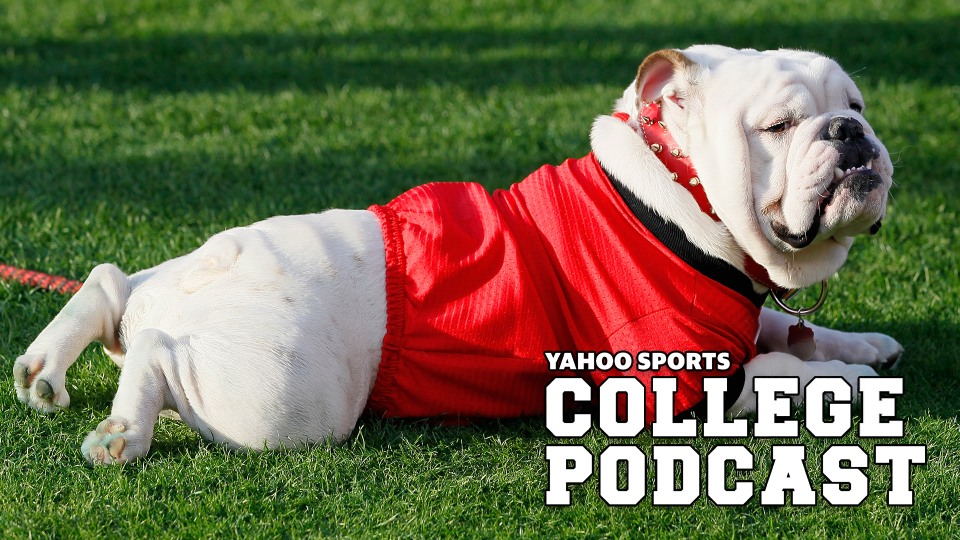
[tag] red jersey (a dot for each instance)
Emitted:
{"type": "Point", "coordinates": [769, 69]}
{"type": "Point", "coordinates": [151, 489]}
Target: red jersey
{"type": "Point", "coordinates": [479, 286]}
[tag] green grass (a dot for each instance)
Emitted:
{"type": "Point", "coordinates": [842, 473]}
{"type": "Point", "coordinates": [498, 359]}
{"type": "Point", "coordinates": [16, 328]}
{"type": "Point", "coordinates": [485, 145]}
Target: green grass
{"type": "Point", "coordinates": [131, 131]}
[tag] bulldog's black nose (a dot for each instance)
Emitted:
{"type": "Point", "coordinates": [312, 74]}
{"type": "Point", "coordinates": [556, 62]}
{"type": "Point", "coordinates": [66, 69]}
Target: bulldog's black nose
{"type": "Point", "coordinates": [842, 129]}
{"type": "Point", "coordinates": [846, 135]}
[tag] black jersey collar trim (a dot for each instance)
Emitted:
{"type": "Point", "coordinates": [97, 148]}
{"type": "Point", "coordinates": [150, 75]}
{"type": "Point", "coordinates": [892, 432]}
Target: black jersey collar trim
{"type": "Point", "coordinates": [671, 236]}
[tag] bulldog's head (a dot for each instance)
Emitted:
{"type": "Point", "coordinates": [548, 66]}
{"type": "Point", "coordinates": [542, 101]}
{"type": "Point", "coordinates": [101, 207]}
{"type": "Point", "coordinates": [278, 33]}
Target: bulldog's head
{"type": "Point", "coordinates": [784, 154]}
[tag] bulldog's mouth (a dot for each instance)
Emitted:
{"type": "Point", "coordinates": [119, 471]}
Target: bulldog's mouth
{"type": "Point", "coordinates": [862, 180]}
{"type": "Point", "coordinates": [858, 180]}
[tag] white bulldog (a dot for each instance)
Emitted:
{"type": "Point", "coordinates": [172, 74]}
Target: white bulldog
{"type": "Point", "coordinates": [271, 335]}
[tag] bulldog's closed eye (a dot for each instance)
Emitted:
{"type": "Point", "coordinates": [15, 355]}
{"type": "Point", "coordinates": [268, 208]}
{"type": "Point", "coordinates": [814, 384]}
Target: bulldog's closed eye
{"type": "Point", "coordinates": [856, 106]}
{"type": "Point", "coordinates": [779, 128]}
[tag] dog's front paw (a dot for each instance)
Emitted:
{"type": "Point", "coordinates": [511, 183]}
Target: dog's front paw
{"type": "Point", "coordinates": [888, 350]}
{"type": "Point", "coordinates": [114, 442]}
{"type": "Point", "coordinates": [850, 372]}
{"type": "Point", "coordinates": [40, 389]}
{"type": "Point", "coordinates": [871, 348]}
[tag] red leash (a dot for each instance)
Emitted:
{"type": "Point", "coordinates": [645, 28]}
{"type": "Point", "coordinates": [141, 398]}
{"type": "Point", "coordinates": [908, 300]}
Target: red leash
{"type": "Point", "coordinates": [39, 279]}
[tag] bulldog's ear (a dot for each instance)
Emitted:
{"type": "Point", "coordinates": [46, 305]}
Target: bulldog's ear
{"type": "Point", "coordinates": [659, 73]}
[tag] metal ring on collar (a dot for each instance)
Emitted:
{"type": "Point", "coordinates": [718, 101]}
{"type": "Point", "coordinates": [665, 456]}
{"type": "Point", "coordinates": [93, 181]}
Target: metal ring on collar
{"type": "Point", "coordinates": [800, 312]}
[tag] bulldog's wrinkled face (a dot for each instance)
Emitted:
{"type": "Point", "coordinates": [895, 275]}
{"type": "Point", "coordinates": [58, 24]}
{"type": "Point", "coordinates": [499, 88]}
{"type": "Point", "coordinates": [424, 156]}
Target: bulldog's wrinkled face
{"type": "Point", "coordinates": [784, 152]}
{"type": "Point", "coordinates": [818, 169]}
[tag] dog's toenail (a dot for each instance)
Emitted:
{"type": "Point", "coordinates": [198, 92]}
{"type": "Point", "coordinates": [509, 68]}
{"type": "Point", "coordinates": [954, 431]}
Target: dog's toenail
{"type": "Point", "coordinates": [97, 453]}
{"type": "Point", "coordinates": [116, 446]}
{"type": "Point", "coordinates": [44, 390]}
{"type": "Point", "coordinates": [110, 426]}
{"type": "Point", "coordinates": [20, 374]}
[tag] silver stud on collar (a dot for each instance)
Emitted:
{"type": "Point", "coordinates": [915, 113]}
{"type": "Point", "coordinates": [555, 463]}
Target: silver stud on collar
{"type": "Point", "coordinates": [694, 181]}
{"type": "Point", "coordinates": [676, 152]}
{"type": "Point", "coordinates": [712, 211]}
{"type": "Point", "coordinates": [646, 120]}
{"type": "Point", "coordinates": [674, 176]}
{"type": "Point", "coordinates": [656, 147]}
{"type": "Point", "coordinates": [664, 126]}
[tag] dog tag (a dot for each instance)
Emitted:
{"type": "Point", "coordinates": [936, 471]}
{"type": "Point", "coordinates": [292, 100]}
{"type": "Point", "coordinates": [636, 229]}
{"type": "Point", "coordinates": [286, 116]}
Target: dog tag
{"type": "Point", "coordinates": [800, 341]}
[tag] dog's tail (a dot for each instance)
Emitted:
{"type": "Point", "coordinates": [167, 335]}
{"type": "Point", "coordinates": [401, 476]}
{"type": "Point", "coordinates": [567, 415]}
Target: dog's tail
{"type": "Point", "coordinates": [31, 278]}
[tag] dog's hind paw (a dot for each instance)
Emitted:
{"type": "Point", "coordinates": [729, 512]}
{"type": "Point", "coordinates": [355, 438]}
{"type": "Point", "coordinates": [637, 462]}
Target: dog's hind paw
{"type": "Point", "coordinates": [113, 443]}
{"type": "Point", "coordinates": [43, 391]}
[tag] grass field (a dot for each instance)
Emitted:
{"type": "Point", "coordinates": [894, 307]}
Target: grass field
{"type": "Point", "coordinates": [132, 130]}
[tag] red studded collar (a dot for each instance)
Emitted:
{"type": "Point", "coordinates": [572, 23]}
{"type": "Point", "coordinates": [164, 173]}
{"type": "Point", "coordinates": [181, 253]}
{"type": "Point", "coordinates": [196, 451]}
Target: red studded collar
{"type": "Point", "coordinates": [664, 146]}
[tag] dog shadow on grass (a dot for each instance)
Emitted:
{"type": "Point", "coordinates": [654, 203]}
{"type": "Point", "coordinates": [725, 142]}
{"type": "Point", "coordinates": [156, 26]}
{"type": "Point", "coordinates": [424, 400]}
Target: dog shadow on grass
{"type": "Point", "coordinates": [413, 58]}
{"type": "Point", "coordinates": [200, 186]}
